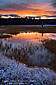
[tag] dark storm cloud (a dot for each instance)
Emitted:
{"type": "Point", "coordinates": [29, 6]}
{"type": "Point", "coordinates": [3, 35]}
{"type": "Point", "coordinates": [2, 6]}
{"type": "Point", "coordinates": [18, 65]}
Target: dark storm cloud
{"type": "Point", "coordinates": [49, 16]}
{"type": "Point", "coordinates": [54, 12]}
{"type": "Point", "coordinates": [6, 2]}
{"type": "Point", "coordinates": [34, 17]}
{"type": "Point", "coordinates": [22, 6]}
{"type": "Point", "coordinates": [13, 7]}
{"type": "Point", "coordinates": [18, 5]}
{"type": "Point", "coordinates": [6, 15]}
{"type": "Point", "coordinates": [51, 12]}
{"type": "Point", "coordinates": [54, 3]}
{"type": "Point", "coordinates": [12, 15]}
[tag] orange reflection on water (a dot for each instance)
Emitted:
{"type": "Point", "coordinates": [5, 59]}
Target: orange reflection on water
{"type": "Point", "coordinates": [31, 37]}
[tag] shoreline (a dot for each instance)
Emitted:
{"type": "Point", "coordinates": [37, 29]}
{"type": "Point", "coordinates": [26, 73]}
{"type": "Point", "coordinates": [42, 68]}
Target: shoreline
{"type": "Point", "coordinates": [27, 25]}
{"type": "Point", "coordinates": [13, 72]}
{"type": "Point", "coordinates": [16, 29]}
{"type": "Point", "coordinates": [43, 56]}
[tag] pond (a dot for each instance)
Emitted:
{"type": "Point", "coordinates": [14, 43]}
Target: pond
{"type": "Point", "coordinates": [30, 37]}
{"type": "Point", "coordinates": [27, 48]}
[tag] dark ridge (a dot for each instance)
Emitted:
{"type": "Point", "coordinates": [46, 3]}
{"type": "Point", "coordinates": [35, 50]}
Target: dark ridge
{"type": "Point", "coordinates": [5, 36]}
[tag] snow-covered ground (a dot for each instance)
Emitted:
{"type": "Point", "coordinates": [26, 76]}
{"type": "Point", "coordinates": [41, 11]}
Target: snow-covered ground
{"type": "Point", "coordinates": [12, 72]}
{"type": "Point", "coordinates": [37, 54]}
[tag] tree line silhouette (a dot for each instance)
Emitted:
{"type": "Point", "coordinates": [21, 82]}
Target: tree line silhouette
{"type": "Point", "coordinates": [26, 21]}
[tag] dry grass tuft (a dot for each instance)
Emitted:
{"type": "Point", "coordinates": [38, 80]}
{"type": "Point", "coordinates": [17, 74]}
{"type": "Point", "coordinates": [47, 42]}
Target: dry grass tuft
{"type": "Point", "coordinates": [51, 46]}
{"type": "Point", "coordinates": [23, 55]}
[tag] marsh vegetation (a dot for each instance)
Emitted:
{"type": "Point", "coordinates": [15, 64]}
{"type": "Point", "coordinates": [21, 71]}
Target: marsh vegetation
{"type": "Point", "coordinates": [32, 61]}
{"type": "Point", "coordinates": [51, 46]}
{"type": "Point", "coordinates": [31, 55]}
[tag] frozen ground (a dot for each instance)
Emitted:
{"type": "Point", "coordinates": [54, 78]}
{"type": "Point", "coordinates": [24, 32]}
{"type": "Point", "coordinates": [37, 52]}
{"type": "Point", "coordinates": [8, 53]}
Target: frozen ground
{"type": "Point", "coordinates": [12, 72]}
{"type": "Point", "coordinates": [34, 54]}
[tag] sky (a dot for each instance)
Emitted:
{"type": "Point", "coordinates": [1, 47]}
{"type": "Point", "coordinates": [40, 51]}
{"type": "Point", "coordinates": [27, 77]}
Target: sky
{"type": "Point", "coordinates": [36, 8]}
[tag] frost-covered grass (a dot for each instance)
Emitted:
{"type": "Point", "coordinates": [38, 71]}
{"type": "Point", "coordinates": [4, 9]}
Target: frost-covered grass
{"type": "Point", "coordinates": [51, 46]}
{"type": "Point", "coordinates": [31, 55]}
{"type": "Point", "coordinates": [17, 62]}
{"type": "Point", "coordinates": [15, 73]}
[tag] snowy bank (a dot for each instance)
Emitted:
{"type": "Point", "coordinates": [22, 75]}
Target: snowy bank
{"type": "Point", "coordinates": [30, 54]}
{"type": "Point", "coordinates": [12, 72]}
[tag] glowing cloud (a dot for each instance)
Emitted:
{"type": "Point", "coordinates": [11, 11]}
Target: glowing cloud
{"type": "Point", "coordinates": [28, 7]}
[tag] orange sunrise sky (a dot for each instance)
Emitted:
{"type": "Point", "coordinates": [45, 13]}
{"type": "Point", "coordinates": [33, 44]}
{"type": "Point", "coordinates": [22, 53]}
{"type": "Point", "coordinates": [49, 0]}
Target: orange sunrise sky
{"type": "Point", "coordinates": [41, 8]}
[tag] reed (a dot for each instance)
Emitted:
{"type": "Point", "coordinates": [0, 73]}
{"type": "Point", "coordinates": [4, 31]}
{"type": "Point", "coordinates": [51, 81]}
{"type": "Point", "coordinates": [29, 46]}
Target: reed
{"type": "Point", "coordinates": [27, 53]}
{"type": "Point", "coordinates": [51, 46]}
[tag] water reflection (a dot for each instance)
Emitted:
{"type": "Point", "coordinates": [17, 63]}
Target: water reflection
{"type": "Point", "coordinates": [33, 54]}
{"type": "Point", "coordinates": [31, 37]}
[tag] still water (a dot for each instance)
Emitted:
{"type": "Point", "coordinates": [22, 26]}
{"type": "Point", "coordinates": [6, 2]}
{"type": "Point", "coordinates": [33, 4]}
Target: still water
{"type": "Point", "coordinates": [30, 37]}
{"type": "Point", "coordinates": [30, 45]}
